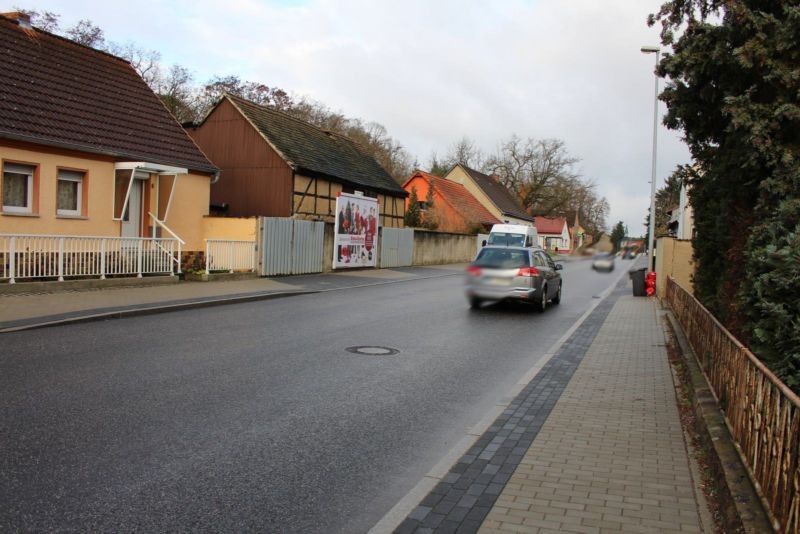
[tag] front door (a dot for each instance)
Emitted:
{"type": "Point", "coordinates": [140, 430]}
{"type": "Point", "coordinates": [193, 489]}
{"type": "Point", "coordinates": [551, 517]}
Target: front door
{"type": "Point", "coordinates": [132, 221]}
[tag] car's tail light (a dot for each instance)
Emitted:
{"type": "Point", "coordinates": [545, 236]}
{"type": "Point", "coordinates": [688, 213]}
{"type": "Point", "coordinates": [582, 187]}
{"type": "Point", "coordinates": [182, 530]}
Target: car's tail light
{"type": "Point", "coordinates": [474, 270]}
{"type": "Point", "coordinates": [528, 271]}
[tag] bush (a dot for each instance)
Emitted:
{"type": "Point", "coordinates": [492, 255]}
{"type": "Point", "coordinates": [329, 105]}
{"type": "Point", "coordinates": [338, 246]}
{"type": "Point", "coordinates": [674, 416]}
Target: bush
{"type": "Point", "coordinates": [773, 298]}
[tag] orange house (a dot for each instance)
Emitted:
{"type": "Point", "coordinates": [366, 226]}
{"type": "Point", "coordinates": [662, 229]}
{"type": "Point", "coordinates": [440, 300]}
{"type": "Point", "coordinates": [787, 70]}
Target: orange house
{"type": "Point", "coordinates": [453, 206]}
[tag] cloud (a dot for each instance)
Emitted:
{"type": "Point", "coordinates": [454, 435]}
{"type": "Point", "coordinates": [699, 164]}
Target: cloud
{"type": "Point", "coordinates": [432, 72]}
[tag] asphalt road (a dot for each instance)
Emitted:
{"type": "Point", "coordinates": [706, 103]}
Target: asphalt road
{"type": "Point", "coordinates": [255, 416]}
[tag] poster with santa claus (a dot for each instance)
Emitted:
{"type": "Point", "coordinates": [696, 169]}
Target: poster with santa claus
{"type": "Point", "coordinates": [356, 239]}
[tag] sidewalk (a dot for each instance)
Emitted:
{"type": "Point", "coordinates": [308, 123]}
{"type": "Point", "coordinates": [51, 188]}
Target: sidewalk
{"type": "Point", "coordinates": [593, 443]}
{"type": "Point", "coordinates": [27, 310]}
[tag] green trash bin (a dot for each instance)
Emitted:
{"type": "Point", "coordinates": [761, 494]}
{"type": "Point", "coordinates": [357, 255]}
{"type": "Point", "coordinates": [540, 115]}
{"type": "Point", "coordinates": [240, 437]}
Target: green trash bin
{"type": "Point", "coordinates": [637, 277]}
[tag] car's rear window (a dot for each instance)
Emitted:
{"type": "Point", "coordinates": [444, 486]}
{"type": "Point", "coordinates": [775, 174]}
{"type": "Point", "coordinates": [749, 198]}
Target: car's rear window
{"type": "Point", "coordinates": [506, 240]}
{"type": "Point", "coordinates": [502, 259]}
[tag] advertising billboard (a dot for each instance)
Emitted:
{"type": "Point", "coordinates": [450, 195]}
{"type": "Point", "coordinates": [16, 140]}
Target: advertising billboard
{"type": "Point", "coordinates": [356, 240]}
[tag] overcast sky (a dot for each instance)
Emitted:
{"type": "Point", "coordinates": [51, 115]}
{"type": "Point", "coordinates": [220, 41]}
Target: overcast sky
{"type": "Point", "coordinates": [434, 71]}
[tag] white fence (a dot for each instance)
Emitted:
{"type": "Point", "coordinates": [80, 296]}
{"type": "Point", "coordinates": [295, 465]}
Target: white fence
{"type": "Point", "coordinates": [54, 256]}
{"type": "Point", "coordinates": [230, 255]}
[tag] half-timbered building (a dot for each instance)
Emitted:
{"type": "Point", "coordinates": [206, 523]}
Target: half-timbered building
{"type": "Point", "coordinates": [276, 165]}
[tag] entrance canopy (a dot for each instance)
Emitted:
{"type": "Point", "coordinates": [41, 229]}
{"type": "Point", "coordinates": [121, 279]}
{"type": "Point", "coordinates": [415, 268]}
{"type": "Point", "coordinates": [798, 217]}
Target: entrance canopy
{"type": "Point", "coordinates": [125, 172]}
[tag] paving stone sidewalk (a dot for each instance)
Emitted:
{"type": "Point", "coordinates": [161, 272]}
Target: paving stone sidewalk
{"type": "Point", "coordinates": [593, 444]}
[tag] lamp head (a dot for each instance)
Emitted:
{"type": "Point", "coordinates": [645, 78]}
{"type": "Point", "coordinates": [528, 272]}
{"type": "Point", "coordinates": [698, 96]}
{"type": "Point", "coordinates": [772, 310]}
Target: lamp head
{"type": "Point", "coordinates": [650, 49]}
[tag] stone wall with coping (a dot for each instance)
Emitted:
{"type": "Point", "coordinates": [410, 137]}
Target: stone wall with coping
{"type": "Point", "coordinates": [437, 248]}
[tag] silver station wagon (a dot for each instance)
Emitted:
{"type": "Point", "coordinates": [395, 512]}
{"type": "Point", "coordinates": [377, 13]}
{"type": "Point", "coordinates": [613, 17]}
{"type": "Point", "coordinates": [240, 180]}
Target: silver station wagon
{"type": "Point", "coordinates": [513, 273]}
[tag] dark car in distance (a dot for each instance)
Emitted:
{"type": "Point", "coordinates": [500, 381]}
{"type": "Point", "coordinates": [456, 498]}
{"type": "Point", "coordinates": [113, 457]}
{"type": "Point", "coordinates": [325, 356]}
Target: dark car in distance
{"type": "Point", "coordinates": [513, 273]}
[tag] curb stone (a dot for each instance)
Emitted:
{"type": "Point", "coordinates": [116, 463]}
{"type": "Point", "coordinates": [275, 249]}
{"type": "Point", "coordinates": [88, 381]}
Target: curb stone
{"type": "Point", "coordinates": [102, 314]}
{"type": "Point", "coordinates": [414, 500]}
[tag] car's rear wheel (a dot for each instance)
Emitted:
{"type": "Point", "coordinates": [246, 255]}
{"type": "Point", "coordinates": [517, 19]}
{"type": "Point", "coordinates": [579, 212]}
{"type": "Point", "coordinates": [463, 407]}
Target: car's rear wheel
{"type": "Point", "coordinates": [541, 305]}
{"type": "Point", "coordinates": [557, 298]}
{"type": "Point", "coordinates": [475, 303]}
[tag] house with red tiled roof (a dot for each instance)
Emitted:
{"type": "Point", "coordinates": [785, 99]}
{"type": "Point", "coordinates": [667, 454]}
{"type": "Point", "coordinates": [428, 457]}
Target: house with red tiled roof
{"type": "Point", "coordinates": [88, 149]}
{"type": "Point", "coordinates": [493, 195]}
{"type": "Point", "coordinates": [553, 234]}
{"type": "Point", "coordinates": [455, 209]}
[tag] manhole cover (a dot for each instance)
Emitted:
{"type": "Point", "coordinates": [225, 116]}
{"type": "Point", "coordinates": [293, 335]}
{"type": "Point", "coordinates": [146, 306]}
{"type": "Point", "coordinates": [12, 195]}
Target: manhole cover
{"type": "Point", "coordinates": [373, 351]}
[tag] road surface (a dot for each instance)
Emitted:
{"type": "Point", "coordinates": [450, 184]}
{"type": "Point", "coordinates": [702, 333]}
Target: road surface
{"type": "Point", "coordinates": [255, 416]}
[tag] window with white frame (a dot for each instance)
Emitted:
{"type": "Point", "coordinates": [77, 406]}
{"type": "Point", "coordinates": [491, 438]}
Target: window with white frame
{"type": "Point", "coordinates": [18, 188]}
{"type": "Point", "coordinates": [69, 193]}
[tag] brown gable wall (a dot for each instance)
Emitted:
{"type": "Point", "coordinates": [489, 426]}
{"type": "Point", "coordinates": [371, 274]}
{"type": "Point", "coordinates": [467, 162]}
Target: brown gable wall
{"type": "Point", "coordinates": [255, 180]}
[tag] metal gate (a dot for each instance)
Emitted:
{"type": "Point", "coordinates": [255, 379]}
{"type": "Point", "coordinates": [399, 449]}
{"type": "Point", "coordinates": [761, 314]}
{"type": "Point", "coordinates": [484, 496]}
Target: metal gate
{"type": "Point", "coordinates": [290, 246]}
{"type": "Point", "coordinates": [397, 247]}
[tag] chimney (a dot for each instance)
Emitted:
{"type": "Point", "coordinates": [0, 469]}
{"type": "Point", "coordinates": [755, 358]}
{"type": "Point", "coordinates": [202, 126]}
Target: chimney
{"type": "Point", "coordinates": [22, 19]}
{"type": "Point", "coordinates": [495, 177]}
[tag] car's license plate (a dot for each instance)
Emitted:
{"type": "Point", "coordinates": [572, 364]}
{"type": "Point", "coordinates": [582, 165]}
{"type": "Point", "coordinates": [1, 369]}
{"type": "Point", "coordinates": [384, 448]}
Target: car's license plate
{"type": "Point", "coordinates": [495, 281]}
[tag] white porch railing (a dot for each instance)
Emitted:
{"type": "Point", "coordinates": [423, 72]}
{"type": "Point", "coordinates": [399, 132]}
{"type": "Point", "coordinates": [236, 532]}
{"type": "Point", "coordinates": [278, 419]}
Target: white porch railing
{"type": "Point", "coordinates": [58, 256]}
{"type": "Point", "coordinates": [230, 255]}
{"type": "Point", "coordinates": [175, 257]}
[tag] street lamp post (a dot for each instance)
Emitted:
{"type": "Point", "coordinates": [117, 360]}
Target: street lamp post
{"type": "Point", "coordinates": [651, 229]}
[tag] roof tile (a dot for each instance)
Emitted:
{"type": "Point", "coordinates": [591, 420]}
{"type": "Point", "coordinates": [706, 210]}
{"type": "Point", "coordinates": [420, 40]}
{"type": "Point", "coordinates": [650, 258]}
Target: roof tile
{"type": "Point", "coordinates": [550, 226]}
{"type": "Point", "coordinates": [459, 198]}
{"type": "Point", "coordinates": [307, 147]}
{"type": "Point", "coordinates": [57, 92]}
{"type": "Point", "coordinates": [498, 193]}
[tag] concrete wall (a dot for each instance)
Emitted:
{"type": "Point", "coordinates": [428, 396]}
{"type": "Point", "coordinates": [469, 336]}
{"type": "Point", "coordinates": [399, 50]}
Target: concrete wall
{"type": "Point", "coordinates": [433, 248]}
{"type": "Point", "coordinates": [430, 248]}
{"type": "Point", "coordinates": [673, 258]}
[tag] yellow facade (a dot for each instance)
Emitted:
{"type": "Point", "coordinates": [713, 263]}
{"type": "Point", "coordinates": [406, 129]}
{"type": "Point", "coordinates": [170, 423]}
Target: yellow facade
{"type": "Point", "coordinates": [189, 205]}
{"type": "Point", "coordinates": [99, 206]}
{"type": "Point", "coordinates": [674, 258]}
{"type": "Point", "coordinates": [236, 228]}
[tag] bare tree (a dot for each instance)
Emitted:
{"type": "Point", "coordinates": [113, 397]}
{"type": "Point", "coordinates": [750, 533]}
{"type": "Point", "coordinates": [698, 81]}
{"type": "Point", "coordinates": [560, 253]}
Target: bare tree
{"type": "Point", "coordinates": [373, 137]}
{"type": "Point", "coordinates": [44, 20]}
{"type": "Point", "coordinates": [146, 62]}
{"type": "Point", "coordinates": [259, 93]}
{"type": "Point", "coordinates": [465, 152]}
{"type": "Point", "coordinates": [591, 209]}
{"type": "Point", "coordinates": [177, 91]}
{"type": "Point", "coordinates": [538, 171]}
{"type": "Point", "coordinates": [85, 32]}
